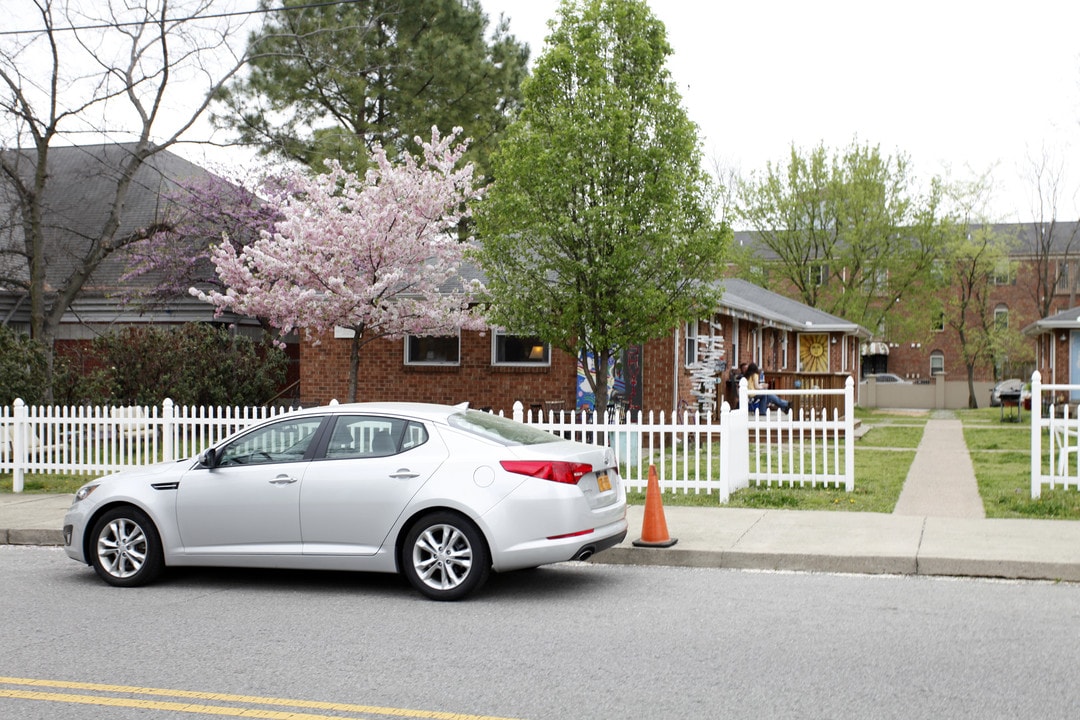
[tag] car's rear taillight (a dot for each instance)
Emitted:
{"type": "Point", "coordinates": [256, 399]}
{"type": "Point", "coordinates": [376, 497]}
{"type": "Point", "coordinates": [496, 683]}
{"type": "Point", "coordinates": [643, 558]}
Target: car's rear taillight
{"type": "Point", "coordinates": [557, 471]}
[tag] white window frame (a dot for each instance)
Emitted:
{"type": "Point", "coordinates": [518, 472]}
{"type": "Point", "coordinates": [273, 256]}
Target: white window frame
{"type": "Point", "coordinates": [432, 363]}
{"type": "Point", "coordinates": [1001, 316]}
{"type": "Point", "coordinates": [937, 355]}
{"type": "Point", "coordinates": [545, 360]}
{"type": "Point", "coordinates": [690, 346]}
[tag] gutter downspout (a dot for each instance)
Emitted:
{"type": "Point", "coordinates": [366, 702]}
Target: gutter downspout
{"type": "Point", "coordinates": [675, 375]}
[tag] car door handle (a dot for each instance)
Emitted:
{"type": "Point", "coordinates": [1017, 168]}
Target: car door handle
{"type": "Point", "coordinates": [403, 474]}
{"type": "Point", "coordinates": [283, 480]}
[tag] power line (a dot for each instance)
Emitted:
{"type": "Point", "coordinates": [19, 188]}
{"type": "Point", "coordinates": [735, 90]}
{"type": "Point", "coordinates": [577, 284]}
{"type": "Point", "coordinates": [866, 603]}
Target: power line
{"type": "Point", "coordinates": [213, 16]}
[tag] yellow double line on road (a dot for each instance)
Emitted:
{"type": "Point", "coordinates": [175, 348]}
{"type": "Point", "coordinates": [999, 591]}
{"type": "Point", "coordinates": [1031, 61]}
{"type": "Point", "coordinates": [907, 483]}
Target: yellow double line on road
{"type": "Point", "coordinates": [244, 705]}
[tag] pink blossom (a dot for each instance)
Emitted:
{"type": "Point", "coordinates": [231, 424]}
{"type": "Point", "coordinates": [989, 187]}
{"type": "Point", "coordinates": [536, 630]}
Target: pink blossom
{"type": "Point", "coordinates": [379, 254]}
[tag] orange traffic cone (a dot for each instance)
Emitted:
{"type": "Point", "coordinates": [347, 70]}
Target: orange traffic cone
{"type": "Point", "coordinates": [654, 532]}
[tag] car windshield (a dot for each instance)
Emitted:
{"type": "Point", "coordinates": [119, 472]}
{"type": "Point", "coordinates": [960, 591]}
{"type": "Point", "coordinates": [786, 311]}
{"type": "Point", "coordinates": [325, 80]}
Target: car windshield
{"type": "Point", "coordinates": [499, 429]}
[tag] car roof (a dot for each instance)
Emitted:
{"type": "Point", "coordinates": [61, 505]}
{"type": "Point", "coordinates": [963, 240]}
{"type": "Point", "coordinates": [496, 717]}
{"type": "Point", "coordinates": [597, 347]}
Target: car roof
{"type": "Point", "coordinates": [426, 411]}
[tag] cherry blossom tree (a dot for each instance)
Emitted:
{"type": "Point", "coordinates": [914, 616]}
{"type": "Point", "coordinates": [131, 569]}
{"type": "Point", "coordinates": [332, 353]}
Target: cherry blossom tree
{"type": "Point", "coordinates": [378, 254]}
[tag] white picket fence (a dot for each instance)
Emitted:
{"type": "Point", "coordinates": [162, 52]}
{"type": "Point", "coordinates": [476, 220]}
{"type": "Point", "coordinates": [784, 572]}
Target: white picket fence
{"type": "Point", "coordinates": [1058, 425]}
{"type": "Point", "coordinates": [98, 440]}
{"type": "Point", "coordinates": [692, 453]}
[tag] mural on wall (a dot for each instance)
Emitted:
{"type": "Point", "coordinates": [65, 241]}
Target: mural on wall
{"type": "Point", "coordinates": [624, 381]}
{"type": "Point", "coordinates": [814, 353]}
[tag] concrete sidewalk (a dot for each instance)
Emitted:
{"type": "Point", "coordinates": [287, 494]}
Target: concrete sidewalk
{"type": "Point", "coordinates": [938, 528]}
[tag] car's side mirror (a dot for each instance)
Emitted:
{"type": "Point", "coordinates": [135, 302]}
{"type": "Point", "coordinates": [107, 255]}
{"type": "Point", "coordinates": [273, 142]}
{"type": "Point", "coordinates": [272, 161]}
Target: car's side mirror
{"type": "Point", "coordinates": [208, 458]}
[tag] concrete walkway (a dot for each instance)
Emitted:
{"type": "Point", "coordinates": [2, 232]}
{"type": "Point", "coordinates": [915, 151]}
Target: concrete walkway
{"type": "Point", "coordinates": [941, 481]}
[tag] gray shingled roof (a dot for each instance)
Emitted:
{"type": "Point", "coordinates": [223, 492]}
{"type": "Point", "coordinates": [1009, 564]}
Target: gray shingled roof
{"type": "Point", "coordinates": [1023, 239]}
{"type": "Point", "coordinates": [1064, 320]}
{"type": "Point", "coordinates": [79, 195]}
{"type": "Point", "coordinates": [744, 299]}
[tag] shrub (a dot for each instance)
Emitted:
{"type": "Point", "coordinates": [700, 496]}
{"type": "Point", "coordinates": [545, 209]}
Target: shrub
{"type": "Point", "coordinates": [22, 367]}
{"type": "Point", "coordinates": [193, 364]}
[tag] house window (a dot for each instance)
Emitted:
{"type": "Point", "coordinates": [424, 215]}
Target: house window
{"type": "Point", "coordinates": [432, 350]}
{"type": "Point", "coordinates": [1004, 274]}
{"type": "Point", "coordinates": [507, 349]}
{"type": "Point", "coordinates": [939, 322]}
{"type": "Point", "coordinates": [937, 363]}
{"type": "Point", "coordinates": [937, 270]}
{"type": "Point", "coordinates": [1001, 317]}
{"type": "Point", "coordinates": [691, 343]}
{"type": "Point", "coordinates": [817, 274]}
{"type": "Point", "coordinates": [876, 282]}
{"type": "Point", "coordinates": [1063, 273]}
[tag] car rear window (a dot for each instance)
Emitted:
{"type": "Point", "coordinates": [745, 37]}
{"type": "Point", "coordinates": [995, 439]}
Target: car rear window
{"type": "Point", "coordinates": [499, 429]}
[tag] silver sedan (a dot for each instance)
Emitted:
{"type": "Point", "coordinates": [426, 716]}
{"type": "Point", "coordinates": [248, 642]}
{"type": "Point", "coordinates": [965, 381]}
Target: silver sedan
{"type": "Point", "coordinates": [441, 494]}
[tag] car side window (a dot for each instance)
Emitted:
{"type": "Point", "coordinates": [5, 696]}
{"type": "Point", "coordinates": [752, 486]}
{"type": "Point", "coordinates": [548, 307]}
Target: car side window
{"type": "Point", "coordinates": [285, 441]}
{"type": "Point", "coordinates": [369, 436]}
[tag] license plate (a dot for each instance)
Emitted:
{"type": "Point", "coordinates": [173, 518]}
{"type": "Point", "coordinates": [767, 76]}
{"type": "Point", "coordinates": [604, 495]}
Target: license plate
{"type": "Point", "coordinates": [603, 482]}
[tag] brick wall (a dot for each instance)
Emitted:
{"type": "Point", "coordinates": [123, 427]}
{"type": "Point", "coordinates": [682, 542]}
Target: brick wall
{"type": "Point", "coordinates": [384, 376]}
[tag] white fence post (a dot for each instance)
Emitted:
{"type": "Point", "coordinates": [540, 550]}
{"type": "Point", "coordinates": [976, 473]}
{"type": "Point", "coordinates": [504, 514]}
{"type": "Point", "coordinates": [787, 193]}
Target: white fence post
{"type": "Point", "coordinates": [849, 434]}
{"type": "Point", "coordinates": [1036, 436]}
{"type": "Point", "coordinates": [19, 428]}
{"type": "Point", "coordinates": [167, 414]}
{"type": "Point", "coordinates": [727, 466]}
{"type": "Point", "coordinates": [519, 411]}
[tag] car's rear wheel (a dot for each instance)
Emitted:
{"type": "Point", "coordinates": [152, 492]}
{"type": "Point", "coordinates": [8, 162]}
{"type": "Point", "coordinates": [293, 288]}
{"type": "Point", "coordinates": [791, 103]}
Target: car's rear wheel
{"type": "Point", "coordinates": [125, 548]}
{"type": "Point", "coordinates": [445, 557]}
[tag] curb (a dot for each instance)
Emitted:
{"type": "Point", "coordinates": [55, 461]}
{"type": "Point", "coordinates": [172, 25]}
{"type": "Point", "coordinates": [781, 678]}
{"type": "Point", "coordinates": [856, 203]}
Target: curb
{"type": "Point", "coordinates": [31, 537]}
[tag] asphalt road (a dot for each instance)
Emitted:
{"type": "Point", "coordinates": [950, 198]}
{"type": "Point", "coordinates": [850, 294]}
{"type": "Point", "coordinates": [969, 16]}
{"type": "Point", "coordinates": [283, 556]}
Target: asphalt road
{"type": "Point", "coordinates": [572, 641]}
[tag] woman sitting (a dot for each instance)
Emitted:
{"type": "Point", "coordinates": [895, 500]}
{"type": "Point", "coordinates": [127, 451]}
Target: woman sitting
{"type": "Point", "coordinates": [753, 381]}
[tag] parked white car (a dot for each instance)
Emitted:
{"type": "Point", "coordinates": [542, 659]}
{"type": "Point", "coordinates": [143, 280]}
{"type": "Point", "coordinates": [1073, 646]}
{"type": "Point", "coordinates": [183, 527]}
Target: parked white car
{"type": "Point", "coordinates": [440, 494]}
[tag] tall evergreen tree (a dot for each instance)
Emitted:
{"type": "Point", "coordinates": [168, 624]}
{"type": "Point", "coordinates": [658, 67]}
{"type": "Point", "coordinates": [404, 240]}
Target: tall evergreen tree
{"type": "Point", "coordinates": [597, 232]}
{"type": "Point", "coordinates": [337, 80]}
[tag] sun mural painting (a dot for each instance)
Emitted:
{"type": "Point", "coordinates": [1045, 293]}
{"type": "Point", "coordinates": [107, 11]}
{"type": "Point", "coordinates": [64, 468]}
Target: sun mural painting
{"type": "Point", "coordinates": [814, 353]}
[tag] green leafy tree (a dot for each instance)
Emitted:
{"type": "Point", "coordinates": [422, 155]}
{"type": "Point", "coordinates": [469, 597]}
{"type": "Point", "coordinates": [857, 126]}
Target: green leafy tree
{"type": "Point", "coordinates": [193, 364]}
{"type": "Point", "coordinates": [847, 231]}
{"type": "Point", "coordinates": [336, 80]}
{"type": "Point", "coordinates": [973, 254]}
{"type": "Point", "coordinates": [597, 233]}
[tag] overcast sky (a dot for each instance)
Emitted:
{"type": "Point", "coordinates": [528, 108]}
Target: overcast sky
{"type": "Point", "coordinates": [952, 83]}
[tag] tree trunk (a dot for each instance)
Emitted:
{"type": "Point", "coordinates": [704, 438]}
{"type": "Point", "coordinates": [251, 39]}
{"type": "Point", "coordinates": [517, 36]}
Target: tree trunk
{"type": "Point", "coordinates": [973, 402]}
{"type": "Point", "coordinates": [354, 362]}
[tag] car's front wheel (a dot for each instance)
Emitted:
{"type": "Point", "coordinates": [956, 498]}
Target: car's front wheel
{"type": "Point", "coordinates": [445, 557]}
{"type": "Point", "coordinates": [125, 548]}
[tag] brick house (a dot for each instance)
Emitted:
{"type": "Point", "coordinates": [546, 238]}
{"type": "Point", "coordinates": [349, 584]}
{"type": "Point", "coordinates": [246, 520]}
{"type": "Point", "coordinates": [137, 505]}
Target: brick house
{"type": "Point", "coordinates": [794, 343]}
{"type": "Point", "coordinates": [1013, 302]}
{"type": "Point", "coordinates": [1057, 348]}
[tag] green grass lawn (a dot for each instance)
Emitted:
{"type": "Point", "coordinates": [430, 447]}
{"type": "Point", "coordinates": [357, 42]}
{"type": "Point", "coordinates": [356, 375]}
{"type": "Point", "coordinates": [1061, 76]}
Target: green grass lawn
{"type": "Point", "coordinates": [46, 483]}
